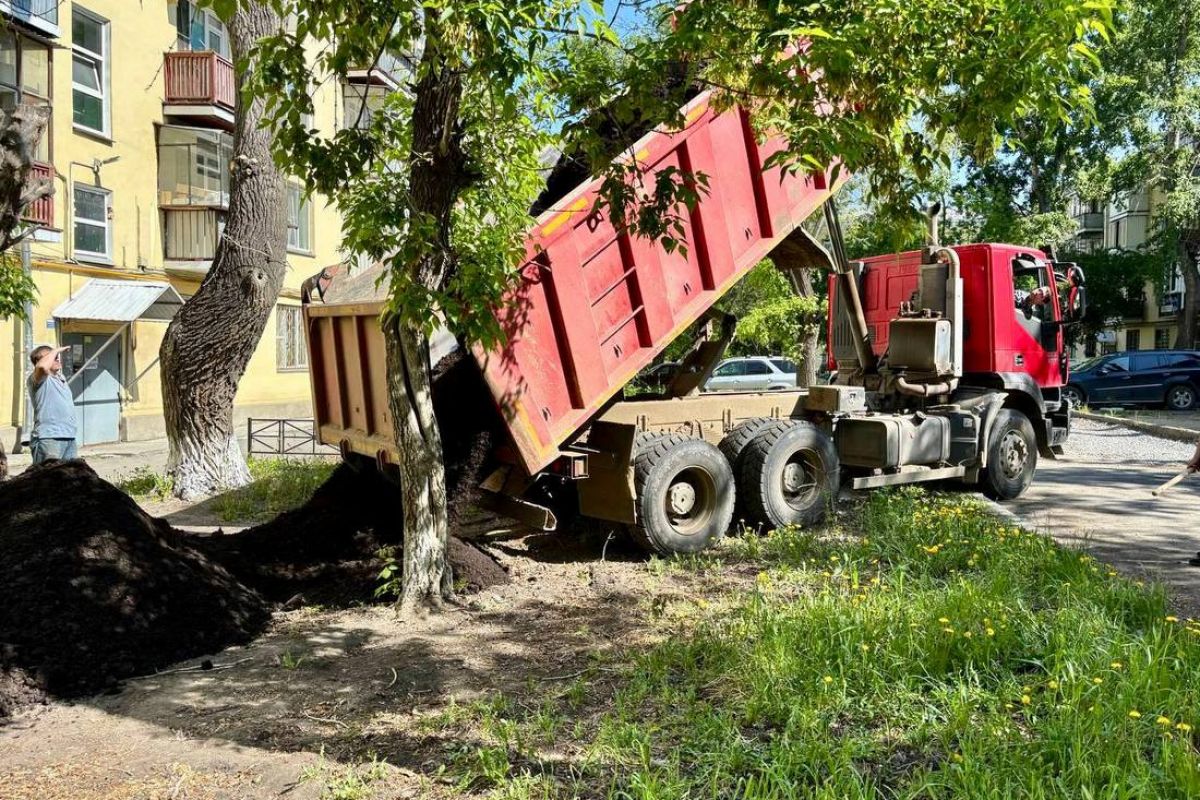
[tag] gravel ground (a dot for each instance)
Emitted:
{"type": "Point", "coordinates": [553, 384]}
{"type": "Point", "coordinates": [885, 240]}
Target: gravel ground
{"type": "Point", "coordinates": [1110, 443]}
{"type": "Point", "coordinates": [1097, 496]}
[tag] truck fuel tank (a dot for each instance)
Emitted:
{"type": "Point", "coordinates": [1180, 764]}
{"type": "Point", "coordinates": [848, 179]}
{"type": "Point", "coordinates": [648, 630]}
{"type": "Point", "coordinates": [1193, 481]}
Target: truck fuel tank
{"type": "Point", "coordinates": [888, 441]}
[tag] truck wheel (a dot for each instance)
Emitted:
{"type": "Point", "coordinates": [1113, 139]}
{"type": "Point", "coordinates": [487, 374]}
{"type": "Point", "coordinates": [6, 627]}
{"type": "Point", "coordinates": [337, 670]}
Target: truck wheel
{"type": "Point", "coordinates": [789, 475]}
{"type": "Point", "coordinates": [1012, 456]}
{"type": "Point", "coordinates": [1181, 397]}
{"type": "Point", "coordinates": [734, 443]}
{"type": "Point", "coordinates": [684, 493]}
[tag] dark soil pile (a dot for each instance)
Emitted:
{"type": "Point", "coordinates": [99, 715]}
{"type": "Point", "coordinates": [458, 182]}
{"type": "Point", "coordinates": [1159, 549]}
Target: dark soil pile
{"type": "Point", "coordinates": [325, 552]}
{"type": "Point", "coordinates": [93, 590]}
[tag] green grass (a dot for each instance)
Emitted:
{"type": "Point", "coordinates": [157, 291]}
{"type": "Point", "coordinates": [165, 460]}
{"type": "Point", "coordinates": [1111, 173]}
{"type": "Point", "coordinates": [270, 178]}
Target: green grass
{"type": "Point", "coordinates": [278, 485]}
{"type": "Point", "coordinates": [352, 782]}
{"type": "Point", "coordinates": [941, 653]}
{"type": "Point", "coordinates": [144, 482]}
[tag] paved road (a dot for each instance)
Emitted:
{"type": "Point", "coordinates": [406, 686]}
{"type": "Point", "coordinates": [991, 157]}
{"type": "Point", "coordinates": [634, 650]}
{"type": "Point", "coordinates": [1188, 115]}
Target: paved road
{"type": "Point", "coordinates": [1098, 496]}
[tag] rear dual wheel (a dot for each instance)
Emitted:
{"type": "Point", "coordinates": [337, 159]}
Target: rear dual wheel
{"type": "Point", "coordinates": [788, 474]}
{"type": "Point", "coordinates": [684, 491]}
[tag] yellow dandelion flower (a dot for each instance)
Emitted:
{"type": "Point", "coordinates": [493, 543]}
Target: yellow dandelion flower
{"type": "Point", "coordinates": [1135, 714]}
{"type": "Point", "coordinates": [948, 630]}
{"type": "Point", "coordinates": [1053, 684]}
{"type": "Point", "coordinates": [1097, 681]}
{"type": "Point", "coordinates": [865, 647]}
{"type": "Point", "coordinates": [991, 631]}
{"type": "Point", "coordinates": [828, 679]}
{"type": "Point", "coordinates": [957, 758]}
{"type": "Point", "coordinates": [1171, 619]}
{"type": "Point", "coordinates": [1009, 706]}
{"type": "Point", "coordinates": [944, 620]}
{"type": "Point", "coordinates": [1183, 726]}
{"type": "Point", "coordinates": [1026, 699]}
{"type": "Point", "coordinates": [1116, 665]}
{"type": "Point", "coordinates": [967, 634]}
{"type": "Point", "coordinates": [1163, 721]}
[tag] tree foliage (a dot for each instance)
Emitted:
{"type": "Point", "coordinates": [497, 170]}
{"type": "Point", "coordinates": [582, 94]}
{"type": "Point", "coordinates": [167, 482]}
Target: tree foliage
{"type": "Point", "coordinates": [436, 182]}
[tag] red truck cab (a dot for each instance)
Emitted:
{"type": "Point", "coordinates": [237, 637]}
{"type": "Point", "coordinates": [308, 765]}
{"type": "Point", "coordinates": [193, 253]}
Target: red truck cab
{"type": "Point", "coordinates": [1009, 341]}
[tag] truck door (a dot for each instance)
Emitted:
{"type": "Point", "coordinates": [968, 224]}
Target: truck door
{"type": "Point", "coordinates": [1040, 317]}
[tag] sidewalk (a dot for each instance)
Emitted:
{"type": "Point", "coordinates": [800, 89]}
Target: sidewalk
{"type": "Point", "coordinates": [111, 461]}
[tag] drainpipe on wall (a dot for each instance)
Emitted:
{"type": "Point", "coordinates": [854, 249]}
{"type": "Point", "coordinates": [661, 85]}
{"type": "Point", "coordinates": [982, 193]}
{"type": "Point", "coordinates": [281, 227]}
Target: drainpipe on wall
{"type": "Point", "coordinates": [27, 343]}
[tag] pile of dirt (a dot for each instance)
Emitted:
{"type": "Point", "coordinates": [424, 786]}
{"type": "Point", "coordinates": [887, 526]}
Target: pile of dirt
{"type": "Point", "coordinates": [326, 551]}
{"type": "Point", "coordinates": [93, 590]}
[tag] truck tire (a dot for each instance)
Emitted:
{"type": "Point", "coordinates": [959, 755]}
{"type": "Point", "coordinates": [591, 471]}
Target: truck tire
{"type": "Point", "coordinates": [790, 475]}
{"type": "Point", "coordinates": [734, 443]}
{"type": "Point", "coordinates": [684, 493]}
{"type": "Point", "coordinates": [1012, 455]}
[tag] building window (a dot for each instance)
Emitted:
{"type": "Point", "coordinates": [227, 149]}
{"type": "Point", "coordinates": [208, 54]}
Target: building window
{"type": "Point", "coordinates": [299, 220]}
{"type": "Point", "coordinates": [1162, 338]}
{"type": "Point", "coordinates": [290, 352]}
{"type": "Point", "coordinates": [89, 71]}
{"type": "Point", "coordinates": [1133, 340]}
{"type": "Point", "coordinates": [91, 223]}
{"type": "Point", "coordinates": [193, 167]}
{"type": "Point", "coordinates": [25, 79]}
{"type": "Point", "coordinates": [199, 29]}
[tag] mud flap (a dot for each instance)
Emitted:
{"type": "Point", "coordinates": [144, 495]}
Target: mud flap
{"type": "Point", "coordinates": [607, 493]}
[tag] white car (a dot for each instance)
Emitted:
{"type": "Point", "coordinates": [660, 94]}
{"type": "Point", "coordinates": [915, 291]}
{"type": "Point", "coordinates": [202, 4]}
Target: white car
{"type": "Point", "coordinates": [752, 374]}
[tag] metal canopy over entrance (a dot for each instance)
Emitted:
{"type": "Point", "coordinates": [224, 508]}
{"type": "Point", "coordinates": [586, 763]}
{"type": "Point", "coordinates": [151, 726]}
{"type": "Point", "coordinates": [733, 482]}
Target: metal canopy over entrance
{"type": "Point", "coordinates": [96, 369]}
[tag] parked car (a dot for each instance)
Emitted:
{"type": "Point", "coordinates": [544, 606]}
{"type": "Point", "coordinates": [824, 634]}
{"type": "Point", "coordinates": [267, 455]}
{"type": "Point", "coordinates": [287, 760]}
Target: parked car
{"type": "Point", "coordinates": [1141, 377]}
{"type": "Point", "coordinates": [752, 374]}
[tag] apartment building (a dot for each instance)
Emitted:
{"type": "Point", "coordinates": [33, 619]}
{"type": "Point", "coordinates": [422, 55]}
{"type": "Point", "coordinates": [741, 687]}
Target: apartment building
{"type": "Point", "coordinates": [143, 96]}
{"type": "Point", "coordinates": [1126, 222]}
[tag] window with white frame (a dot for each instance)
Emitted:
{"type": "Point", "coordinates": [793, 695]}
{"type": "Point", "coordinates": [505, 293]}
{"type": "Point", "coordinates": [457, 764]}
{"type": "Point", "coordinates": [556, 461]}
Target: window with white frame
{"type": "Point", "coordinates": [199, 28]}
{"type": "Point", "coordinates": [92, 228]}
{"type": "Point", "coordinates": [89, 71]}
{"type": "Point", "coordinates": [299, 220]}
{"type": "Point", "coordinates": [290, 352]}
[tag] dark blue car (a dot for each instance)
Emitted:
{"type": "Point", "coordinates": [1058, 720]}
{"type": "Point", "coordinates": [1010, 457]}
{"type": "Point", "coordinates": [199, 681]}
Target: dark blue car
{"type": "Point", "coordinates": [1168, 378]}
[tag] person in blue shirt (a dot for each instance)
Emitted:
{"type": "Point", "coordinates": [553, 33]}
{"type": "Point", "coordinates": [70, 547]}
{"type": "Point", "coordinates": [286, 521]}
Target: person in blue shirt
{"type": "Point", "coordinates": [53, 433]}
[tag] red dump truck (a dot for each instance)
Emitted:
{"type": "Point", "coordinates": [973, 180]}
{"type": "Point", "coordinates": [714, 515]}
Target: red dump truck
{"type": "Point", "coordinates": [940, 374]}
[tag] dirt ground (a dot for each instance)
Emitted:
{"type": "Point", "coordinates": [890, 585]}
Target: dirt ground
{"type": "Point", "coordinates": [323, 689]}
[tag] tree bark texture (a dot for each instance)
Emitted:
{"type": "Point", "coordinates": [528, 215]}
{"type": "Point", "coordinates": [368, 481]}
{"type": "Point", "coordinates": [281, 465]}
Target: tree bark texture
{"type": "Point", "coordinates": [1185, 337]}
{"type": "Point", "coordinates": [811, 347]}
{"type": "Point", "coordinates": [436, 177]}
{"type": "Point", "coordinates": [210, 341]}
{"type": "Point", "coordinates": [20, 133]}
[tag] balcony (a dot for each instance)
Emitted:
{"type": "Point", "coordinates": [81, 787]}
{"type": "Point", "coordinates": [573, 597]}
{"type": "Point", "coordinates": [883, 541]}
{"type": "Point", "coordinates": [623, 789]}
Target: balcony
{"type": "Point", "coordinates": [201, 87]}
{"type": "Point", "coordinates": [41, 211]}
{"type": "Point", "coordinates": [1170, 304]}
{"type": "Point", "coordinates": [191, 235]}
{"type": "Point", "coordinates": [1091, 221]}
{"type": "Point", "coordinates": [41, 15]}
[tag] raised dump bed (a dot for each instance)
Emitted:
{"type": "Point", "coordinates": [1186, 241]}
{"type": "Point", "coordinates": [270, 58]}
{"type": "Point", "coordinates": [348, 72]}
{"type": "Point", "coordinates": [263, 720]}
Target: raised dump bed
{"type": "Point", "coordinates": [594, 305]}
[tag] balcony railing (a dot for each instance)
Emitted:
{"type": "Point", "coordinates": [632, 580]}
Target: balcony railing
{"type": "Point", "coordinates": [191, 234]}
{"type": "Point", "coordinates": [40, 14]}
{"type": "Point", "coordinates": [200, 78]}
{"type": "Point", "coordinates": [41, 211]}
{"type": "Point", "coordinates": [1091, 221]}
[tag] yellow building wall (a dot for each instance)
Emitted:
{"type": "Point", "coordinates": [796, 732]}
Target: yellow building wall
{"type": "Point", "coordinates": [140, 33]}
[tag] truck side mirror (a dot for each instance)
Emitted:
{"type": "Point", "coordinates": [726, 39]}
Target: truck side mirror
{"type": "Point", "coordinates": [1076, 305]}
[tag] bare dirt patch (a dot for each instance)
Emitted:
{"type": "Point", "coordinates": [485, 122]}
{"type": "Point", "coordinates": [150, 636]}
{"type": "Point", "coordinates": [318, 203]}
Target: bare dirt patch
{"type": "Point", "coordinates": [358, 683]}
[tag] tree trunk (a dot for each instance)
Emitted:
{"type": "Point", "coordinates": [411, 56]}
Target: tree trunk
{"type": "Point", "coordinates": [1185, 337]}
{"type": "Point", "coordinates": [20, 133]}
{"type": "Point", "coordinates": [3, 463]}
{"type": "Point", "coordinates": [210, 341]}
{"type": "Point", "coordinates": [811, 347]}
{"type": "Point", "coordinates": [426, 577]}
{"type": "Point", "coordinates": [437, 174]}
